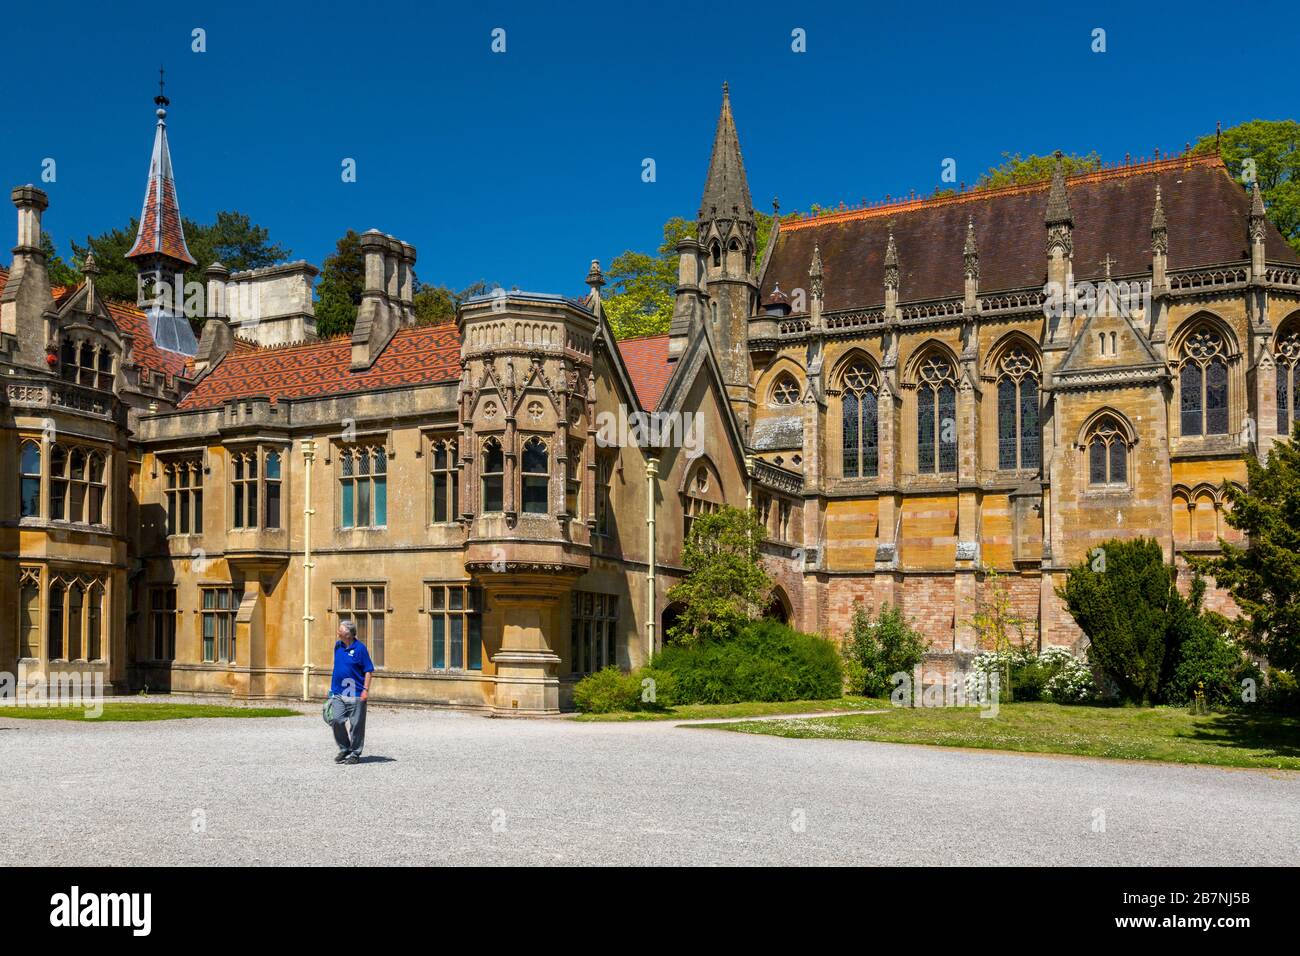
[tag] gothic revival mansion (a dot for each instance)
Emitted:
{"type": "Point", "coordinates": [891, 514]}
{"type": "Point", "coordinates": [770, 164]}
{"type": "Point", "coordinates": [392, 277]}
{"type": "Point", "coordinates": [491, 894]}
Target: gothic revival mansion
{"type": "Point", "coordinates": [896, 389]}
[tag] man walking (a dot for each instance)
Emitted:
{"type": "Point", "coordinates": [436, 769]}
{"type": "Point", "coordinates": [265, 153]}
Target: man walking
{"type": "Point", "coordinates": [350, 688]}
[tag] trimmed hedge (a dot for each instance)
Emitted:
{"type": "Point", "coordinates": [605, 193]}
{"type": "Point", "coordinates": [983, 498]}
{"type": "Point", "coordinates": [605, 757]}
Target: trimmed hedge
{"type": "Point", "coordinates": [766, 661]}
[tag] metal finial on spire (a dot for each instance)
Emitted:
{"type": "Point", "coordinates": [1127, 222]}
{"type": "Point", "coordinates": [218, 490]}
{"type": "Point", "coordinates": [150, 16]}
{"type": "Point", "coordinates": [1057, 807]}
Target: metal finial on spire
{"type": "Point", "coordinates": [161, 98]}
{"type": "Point", "coordinates": [725, 88]}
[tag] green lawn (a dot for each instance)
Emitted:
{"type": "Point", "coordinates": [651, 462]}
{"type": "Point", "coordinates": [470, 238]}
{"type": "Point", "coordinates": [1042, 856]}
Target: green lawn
{"type": "Point", "coordinates": [750, 709]}
{"type": "Point", "coordinates": [1236, 739]}
{"type": "Point", "coordinates": [130, 711]}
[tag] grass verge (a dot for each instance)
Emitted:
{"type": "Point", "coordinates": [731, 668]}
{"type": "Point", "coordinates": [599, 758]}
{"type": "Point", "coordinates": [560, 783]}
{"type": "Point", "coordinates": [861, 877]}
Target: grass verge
{"type": "Point", "coordinates": [125, 711]}
{"type": "Point", "coordinates": [746, 709]}
{"type": "Point", "coordinates": [1235, 739]}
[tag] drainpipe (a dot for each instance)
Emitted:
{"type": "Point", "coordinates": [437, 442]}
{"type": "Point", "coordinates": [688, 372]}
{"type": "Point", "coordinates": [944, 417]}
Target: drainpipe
{"type": "Point", "coordinates": [308, 456]}
{"type": "Point", "coordinates": [651, 473]}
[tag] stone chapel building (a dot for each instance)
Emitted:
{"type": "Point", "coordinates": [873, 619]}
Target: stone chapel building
{"type": "Point", "coordinates": [897, 389]}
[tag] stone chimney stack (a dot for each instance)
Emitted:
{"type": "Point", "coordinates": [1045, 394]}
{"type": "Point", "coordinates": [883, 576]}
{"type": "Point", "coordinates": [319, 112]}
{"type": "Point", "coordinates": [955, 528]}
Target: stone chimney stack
{"type": "Point", "coordinates": [406, 285]}
{"type": "Point", "coordinates": [217, 276]}
{"type": "Point", "coordinates": [387, 303]}
{"type": "Point", "coordinates": [31, 202]}
{"type": "Point", "coordinates": [27, 295]}
{"type": "Point", "coordinates": [687, 308]}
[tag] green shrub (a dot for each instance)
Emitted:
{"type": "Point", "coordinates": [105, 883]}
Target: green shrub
{"type": "Point", "coordinates": [1282, 692]}
{"type": "Point", "coordinates": [1209, 660]}
{"type": "Point", "coordinates": [612, 690]}
{"type": "Point", "coordinates": [1029, 679]}
{"type": "Point", "coordinates": [875, 650]}
{"type": "Point", "coordinates": [766, 661]}
{"type": "Point", "coordinates": [1122, 596]}
{"type": "Point", "coordinates": [606, 691]}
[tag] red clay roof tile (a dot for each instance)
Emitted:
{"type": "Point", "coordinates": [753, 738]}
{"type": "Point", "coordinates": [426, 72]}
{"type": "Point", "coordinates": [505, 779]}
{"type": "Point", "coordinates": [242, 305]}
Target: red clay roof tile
{"type": "Point", "coordinates": [647, 363]}
{"type": "Point", "coordinates": [419, 356]}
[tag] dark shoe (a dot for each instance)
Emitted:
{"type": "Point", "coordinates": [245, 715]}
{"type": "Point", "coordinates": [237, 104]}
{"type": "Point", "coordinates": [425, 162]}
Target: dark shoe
{"type": "Point", "coordinates": [352, 758]}
{"type": "Point", "coordinates": [343, 755]}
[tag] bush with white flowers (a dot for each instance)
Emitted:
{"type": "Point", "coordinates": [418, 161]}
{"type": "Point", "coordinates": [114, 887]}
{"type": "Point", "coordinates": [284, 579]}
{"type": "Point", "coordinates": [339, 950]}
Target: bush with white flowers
{"type": "Point", "coordinates": [1071, 681]}
{"type": "Point", "coordinates": [1068, 678]}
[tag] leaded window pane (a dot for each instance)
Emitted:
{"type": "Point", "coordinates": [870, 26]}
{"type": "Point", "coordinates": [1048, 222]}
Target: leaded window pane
{"type": "Point", "coordinates": [1190, 399]}
{"type": "Point", "coordinates": [925, 429]}
{"type": "Point", "coordinates": [851, 436]}
{"type": "Point", "coordinates": [1097, 461]}
{"type": "Point", "coordinates": [1030, 441]}
{"type": "Point", "coordinates": [1216, 397]}
{"type": "Point", "coordinates": [1118, 461]}
{"type": "Point", "coordinates": [947, 428]}
{"type": "Point", "coordinates": [1007, 423]}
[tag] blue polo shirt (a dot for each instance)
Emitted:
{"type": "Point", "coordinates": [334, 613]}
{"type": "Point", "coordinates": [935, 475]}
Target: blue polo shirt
{"type": "Point", "coordinates": [351, 665]}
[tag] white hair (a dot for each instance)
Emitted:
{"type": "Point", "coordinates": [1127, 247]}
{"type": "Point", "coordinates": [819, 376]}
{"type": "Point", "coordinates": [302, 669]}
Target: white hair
{"type": "Point", "coordinates": [350, 628]}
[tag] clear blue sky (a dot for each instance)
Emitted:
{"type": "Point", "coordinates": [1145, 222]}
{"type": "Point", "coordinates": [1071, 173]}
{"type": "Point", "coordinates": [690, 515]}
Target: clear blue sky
{"type": "Point", "coordinates": [521, 167]}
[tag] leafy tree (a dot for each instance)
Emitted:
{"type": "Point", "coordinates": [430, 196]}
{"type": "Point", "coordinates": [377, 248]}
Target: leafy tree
{"type": "Point", "coordinates": [1274, 146]}
{"type": "Point", "coordinates": [232, 239]}
{"type": "Point", "coordinates": [338, 290]}
{"type": "Point", "coordinates": [1017, 170]}
{"type": "Point", "coordinates": [641, 285]}
{"type": "Point", "coordinates": [724, 586]}
{"type": "Point", "coordinates": [875, 650]}
{"type": "Point", "coordinates": [434, 305]}
{"type": "Point", "coordinates": [235, 241]}
{"type": "Point", "coordinates": [117, 276]}
{"type": "Point", "coordinates": [1264, 576]}
{"type": "Point", "coordinates": [60, 272]}
{"type": "Point", "coordinates": [1123, 603]}
{"type": "Point", "coordinates": [998, 627]}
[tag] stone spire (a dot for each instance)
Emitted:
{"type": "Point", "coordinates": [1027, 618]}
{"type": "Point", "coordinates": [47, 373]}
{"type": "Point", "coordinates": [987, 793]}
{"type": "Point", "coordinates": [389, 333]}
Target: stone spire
{"type": "Point", "coordinates": [891, 261]}
{"type": "Point", "coordinates": [891, 275]}
{"type": "Point", "coordinates": [1159, 242]}
{"type": "Point", "coordinates": [971, 266]}
{"type": "Point", "coordinates": [815, 272]}
{"type": "Point", "coordinates": [970, 252]}
{"type": "Point", "coordinates": [726, 191]}
{"type": "Point", "coordinates": [1058, 199]}
{"type": "Point", "coordinates": [1158, 222]}
{"type": "Point", "coordinates": [1255, 229]}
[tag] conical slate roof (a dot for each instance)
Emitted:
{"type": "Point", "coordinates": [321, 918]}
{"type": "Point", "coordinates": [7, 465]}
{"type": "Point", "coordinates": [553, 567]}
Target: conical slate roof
{"type": "Point", "coordinates": [161, 232]}
{"type": "Point", "coordinates": [726, 186]}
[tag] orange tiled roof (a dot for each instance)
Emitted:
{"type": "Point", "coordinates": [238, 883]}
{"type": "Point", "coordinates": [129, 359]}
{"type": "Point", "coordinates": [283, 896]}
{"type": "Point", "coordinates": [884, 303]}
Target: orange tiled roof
{"type": "Point", "coordinates": [647, 363]}
{"type": "Point", "coordinates": [419, 356]}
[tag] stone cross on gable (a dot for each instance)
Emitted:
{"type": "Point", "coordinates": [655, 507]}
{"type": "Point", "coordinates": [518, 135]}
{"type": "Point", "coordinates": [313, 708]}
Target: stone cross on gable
{"type": "Point", "coordinates": [1108, 262]}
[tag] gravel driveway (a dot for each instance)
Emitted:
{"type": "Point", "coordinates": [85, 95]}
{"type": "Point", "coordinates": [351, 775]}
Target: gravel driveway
{"type": "Point", "coordinates": [440, 787]}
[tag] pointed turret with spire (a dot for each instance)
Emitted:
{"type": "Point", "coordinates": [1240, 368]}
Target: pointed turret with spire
{"type": "Point", "coordinates": [726, 235]}
{"type": "Point", "coordinates": [160, 254]}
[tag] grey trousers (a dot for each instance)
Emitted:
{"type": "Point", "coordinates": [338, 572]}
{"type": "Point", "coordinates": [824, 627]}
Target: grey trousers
{"type": "Point", "coordinates": [356, 716]}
